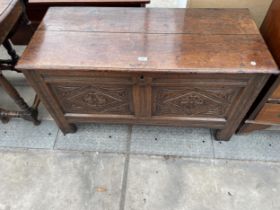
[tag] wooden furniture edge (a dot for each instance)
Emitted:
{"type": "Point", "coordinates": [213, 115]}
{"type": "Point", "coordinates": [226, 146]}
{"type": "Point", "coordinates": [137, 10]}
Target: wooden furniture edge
{"type": "Point", "coordinates": [51, 104]}
{"type": "Point", "coordinates": [239, 112]}
{"type": "Point", "coordinates": [250, 123]}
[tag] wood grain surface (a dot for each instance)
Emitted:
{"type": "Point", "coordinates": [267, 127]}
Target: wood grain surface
{"type": "Point", "coordinates": [276, 93]}
{"type": "Point", "coordinates": [151, 20]}
{"type": "Point", "coordinates": [270, 30]}
{"type": "Point", "coordinates": [55, 50]}
{"type": "Point", "coordinates": [270, 113]}
{"type": "Point", "coordinates": [178, 46]}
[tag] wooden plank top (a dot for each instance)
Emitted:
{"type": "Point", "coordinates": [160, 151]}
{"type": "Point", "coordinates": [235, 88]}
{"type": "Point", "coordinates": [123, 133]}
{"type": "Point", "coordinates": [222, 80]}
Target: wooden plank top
{"type": "Point", "coordinates": [166, 40]}
{"type": "Point", "coordinates": [138, 20]}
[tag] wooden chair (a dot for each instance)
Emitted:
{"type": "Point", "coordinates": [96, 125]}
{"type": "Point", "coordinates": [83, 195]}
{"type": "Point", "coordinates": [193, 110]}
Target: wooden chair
{"type": "Point", "coordinates": [12, 12]}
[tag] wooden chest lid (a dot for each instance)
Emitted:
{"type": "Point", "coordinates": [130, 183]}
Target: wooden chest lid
{"type": "Point", "coordinates": [139, 39]}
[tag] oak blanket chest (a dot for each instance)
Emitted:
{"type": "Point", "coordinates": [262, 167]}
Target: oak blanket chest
{"type": "Point", "coordinates": [183, 67]}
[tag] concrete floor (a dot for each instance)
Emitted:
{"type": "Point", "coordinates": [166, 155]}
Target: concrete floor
{"type": "Point", "coordinates": [123, 167]}
{"type": "Point", "coordinates": [71, 180]}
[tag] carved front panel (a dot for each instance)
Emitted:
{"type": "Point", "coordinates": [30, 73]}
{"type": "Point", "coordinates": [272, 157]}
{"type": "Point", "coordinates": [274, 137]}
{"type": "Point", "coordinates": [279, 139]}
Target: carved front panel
{"type": "Point", "coordinates": [193, 102]}
{"type": "Point", "coordinates": [90, 99]}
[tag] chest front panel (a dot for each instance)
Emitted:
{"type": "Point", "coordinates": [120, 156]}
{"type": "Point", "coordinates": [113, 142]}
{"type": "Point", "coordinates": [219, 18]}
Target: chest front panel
{"type": "Point", "coordinates": [146, 96]}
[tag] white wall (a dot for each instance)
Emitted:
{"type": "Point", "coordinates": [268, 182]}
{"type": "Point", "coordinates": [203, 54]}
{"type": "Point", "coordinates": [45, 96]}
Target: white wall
{"type": "Point", "coordinates": [258, 8]}
{"type": "Point", "coordinates": [168, 3]}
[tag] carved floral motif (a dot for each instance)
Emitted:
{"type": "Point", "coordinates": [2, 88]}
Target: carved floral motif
{"type": "Point", "coordinates": [192, 102]}
{"type": "Point", "coordinates": [91, 99]}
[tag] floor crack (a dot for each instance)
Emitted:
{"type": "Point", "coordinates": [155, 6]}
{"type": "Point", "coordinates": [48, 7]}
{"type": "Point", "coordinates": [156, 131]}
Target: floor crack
{"type": "Point", "coordinates": [126, 167]}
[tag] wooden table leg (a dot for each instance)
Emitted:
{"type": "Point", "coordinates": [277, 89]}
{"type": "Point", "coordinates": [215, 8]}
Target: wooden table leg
{"type": "Point", "coordinates": [28, 113]}
{"type": "Point", "coordinates": [11, 51]}
{"type": "Point", "coordinates": [36, 102]}
{"type": "Point", "coordinates": [5, 115]}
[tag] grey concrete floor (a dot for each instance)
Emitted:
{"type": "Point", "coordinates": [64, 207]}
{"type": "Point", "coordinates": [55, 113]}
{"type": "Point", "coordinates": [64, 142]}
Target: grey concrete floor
{"type": "Point", "coordinates": [36, 179]}
{"type": "Point", "coordinates": [123, 167]}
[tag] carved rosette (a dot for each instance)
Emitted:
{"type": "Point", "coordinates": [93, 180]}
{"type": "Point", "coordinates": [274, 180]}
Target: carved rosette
{"type": "Point", "coordinates": [94, 100]}
{"type": "Point", "coordinates": [192, 102]}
